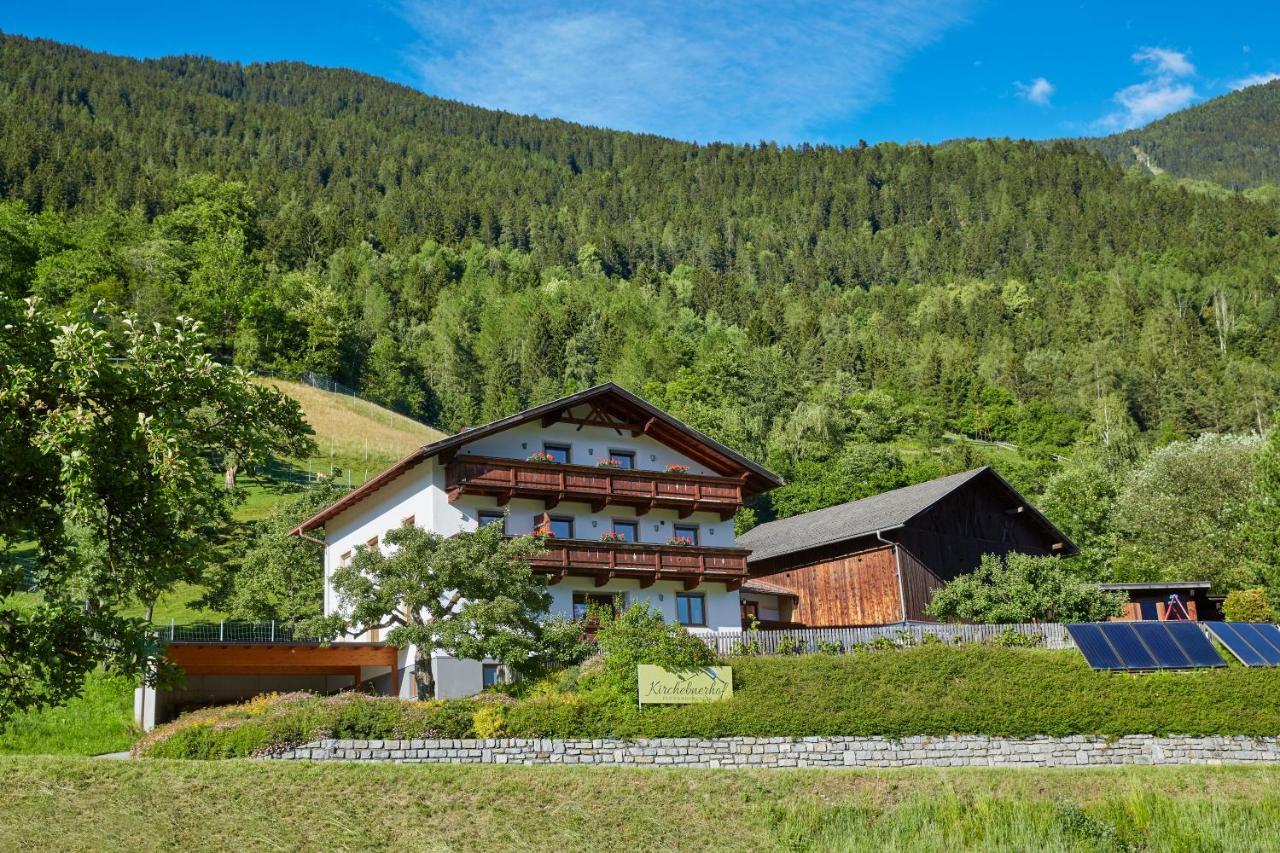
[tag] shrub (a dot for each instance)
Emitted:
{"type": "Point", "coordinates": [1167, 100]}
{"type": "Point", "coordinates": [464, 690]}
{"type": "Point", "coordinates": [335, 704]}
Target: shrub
{"type": "Point", "coordinates": [830, 647]}
{"type": "Point", "coordinates": [1011, 638]}
{"type": "Point", "coordinates": [1023, 588]}
{"type": "Point", "coordinates": [489, 720]}
{"type": "Point", "coordinates": [789, 645]}
{"type": "Point", "coordinates": [1247, 605]}
{"type": "Point", "coordinates": [639, 635]}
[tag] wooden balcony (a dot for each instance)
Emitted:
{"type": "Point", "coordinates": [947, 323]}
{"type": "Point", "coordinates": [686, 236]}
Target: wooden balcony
{"type": "Point", "coordinates": [648, 563]}
{"type": "Point", "coordinates": [552, 483]}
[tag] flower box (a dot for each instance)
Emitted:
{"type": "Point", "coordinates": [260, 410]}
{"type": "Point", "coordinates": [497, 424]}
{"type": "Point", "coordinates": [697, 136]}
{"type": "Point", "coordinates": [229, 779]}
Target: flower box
{"type": "Point", "coordinates": [540, 456]}
{"type": "Point", "coordinates": [609, 463]}
{"type": "Point", "coordinates": [612, 536]}
{"type": "Point", "coordinates": [680, 540]}
{"type": "Point", "coordinates": [677, 469]}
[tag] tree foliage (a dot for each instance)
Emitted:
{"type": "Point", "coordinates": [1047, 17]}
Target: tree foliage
{"type": "Point", "coordinates": [1248, 605]}
{"type": "Point", "coordinates": [1022, 588]}
{"type": "Point", "coordinates": [109, 432]}
{"type": "Point", "coordinates": [472, 595]}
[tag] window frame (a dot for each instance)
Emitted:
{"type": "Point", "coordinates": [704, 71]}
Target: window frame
{"type": "Point", "coordinates": [589, 598]}
{"type": "Point", "coordinates": [498, 516]}
{"type": "Point", "coordinates": [549, 446]}
{"type": "Point", "coordinates": [619, 453]}
{"type": "Point", "coordinates": [695, 539]}
{"type": "Point", "coordinates": [701, 598]}
{"type": "Point", "coordinates": [499, 675]}
{"type": "Point", "coordinates": [562, 519]}
{"type": "Point", "coordinates": [633, 523]}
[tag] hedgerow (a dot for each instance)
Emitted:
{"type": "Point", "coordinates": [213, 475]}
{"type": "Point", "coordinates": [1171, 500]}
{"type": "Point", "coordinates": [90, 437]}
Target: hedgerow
{"type": "Point", "coordinates": [930, 690]}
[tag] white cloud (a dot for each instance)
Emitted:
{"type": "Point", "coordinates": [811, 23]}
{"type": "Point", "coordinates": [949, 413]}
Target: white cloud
{"type": "Point", "coordinates": [1255, 79]}
{"type": "Point", "coordinates": [1165, 62]}
{"type": "Point", "coordinates": [741, 72]}
{"type": "Point", "coordinates": [1038, 91]}
{"type": "Point", "coordinates": [1161, 93]}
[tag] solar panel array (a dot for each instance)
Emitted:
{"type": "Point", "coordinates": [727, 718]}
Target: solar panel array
{"type": "Point", "coordinates": [1253, 643]}
{"type": "Point", "coordinates": [1144, 645]}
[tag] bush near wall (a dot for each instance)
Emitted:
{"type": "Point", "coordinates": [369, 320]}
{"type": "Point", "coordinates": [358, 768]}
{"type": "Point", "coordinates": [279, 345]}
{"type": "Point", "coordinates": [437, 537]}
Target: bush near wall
{"type": "Point", "coordinates": [929, 690]}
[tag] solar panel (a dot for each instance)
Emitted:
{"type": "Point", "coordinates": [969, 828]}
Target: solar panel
{"type": "Point", "coordinates": [1264, 637]}
{"type": "Point", "coordinates": [1094, 646]}
{"type": "Point", "coordinates": [1253, 644]}
{"type": "Point", "coordinates": [1190, 637]}
{"type": "Point", "coordinates": [1145, 645]}
{"type": "Point", "coordinates": [1164, 648]}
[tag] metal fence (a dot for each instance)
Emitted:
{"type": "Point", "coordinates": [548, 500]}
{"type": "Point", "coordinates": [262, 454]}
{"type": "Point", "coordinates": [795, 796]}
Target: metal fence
{"type": "Point", "coordinates": [727, 642]}
{"type": "Point", "coordinates": [234, 632]}
{"type": "Point", "coordinates": [809, 640]}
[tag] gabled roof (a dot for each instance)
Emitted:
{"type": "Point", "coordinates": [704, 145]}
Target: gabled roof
{"type": "Point", "coordinates": [878, 513]}
{"type": "Point", "coordinates": [636, 413]}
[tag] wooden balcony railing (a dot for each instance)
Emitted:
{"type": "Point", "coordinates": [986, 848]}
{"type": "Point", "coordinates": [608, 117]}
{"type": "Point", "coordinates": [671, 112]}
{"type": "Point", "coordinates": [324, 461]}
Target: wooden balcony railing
{"type": "Point", "coordinates": [603, 560]}
{"type": "Point", "coordinates": [600, 487]}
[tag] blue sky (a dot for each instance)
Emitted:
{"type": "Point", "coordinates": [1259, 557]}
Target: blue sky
{"type": "Point", "coordinates": [818, 71]}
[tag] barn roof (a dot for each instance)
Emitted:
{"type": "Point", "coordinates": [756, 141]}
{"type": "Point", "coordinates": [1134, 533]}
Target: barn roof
{"type": "Point", "coordinates": [878, 513]}
{"type": "Point", "coordinates": [634, 413]}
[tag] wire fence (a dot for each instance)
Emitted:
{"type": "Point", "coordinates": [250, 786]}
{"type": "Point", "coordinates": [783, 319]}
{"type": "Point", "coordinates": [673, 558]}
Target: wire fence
{"type": "Point", "coordinates": [811, 640]}
{"type": "Point", "coordinates": [234, 632]}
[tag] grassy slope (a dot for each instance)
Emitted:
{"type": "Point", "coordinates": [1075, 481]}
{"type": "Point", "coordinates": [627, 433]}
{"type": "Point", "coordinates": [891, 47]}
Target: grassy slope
{"type": "Point", "coordinates": [155, 805]}
{"type": "Point", "coordinates": [99, 720]}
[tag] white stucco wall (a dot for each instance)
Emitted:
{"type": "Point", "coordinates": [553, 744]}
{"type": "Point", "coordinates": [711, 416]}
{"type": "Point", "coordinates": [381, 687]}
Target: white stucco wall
{"type": "Point", "coordinates": [589, 445]}
{"type": "Point", "coordinates": [420, 493]}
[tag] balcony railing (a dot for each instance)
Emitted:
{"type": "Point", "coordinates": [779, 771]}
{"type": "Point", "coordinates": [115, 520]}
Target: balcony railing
{"type": "Point", "coordinates": [600, 487]}
{"type": "Point", "coordinates": [642, 560]}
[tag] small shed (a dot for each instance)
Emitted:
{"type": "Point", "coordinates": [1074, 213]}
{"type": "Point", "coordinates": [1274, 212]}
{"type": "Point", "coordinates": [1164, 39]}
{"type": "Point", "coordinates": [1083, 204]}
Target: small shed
{"type": "Point", "coordinates": [1160, 601]}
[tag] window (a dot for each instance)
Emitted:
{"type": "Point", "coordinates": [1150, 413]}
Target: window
{"type": "Point", "coordinates": [584, 600]}
{"type": "Point", "coordinates": [492, 673]}
{"type": "Point", "coordinates": [686, 531]}
{"type": "Point", "coordinates": [492, 516]}
{"type": "Point", "coordinates": [345, 558]}
{"type": "Point", "coordinates": [372, 543]}
{"type": "Point", "coordinates": [626, 458]}
{"type": "Point", "coordinates": [561, 527]}
{"type": "Point", "coordinates": [691, 608]}
{"type": "Point", "coordinates": [407, 521]}
{"type": "Point", "coordinates": [558, 452]}
{"type": "Point", "coordinates": [628, 530]}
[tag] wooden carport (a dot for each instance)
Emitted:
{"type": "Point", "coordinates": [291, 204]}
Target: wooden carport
{"type": "Point", "coordinates": [283, 659]}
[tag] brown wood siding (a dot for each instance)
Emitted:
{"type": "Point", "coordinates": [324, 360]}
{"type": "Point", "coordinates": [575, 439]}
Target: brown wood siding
{"type": "Point", "coordinates": [918, 585]}
{"type": "Point", "coordinates": [845, 591]}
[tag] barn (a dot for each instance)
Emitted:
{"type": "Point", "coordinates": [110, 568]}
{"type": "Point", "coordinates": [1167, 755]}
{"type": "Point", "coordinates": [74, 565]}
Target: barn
{"type": "Point", "coordinates": [876, 561]}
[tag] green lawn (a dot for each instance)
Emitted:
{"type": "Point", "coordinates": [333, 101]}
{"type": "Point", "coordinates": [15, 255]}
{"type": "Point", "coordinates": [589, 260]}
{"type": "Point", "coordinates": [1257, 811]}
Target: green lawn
{"type": "Point", "coordinates": [77, 804]}
{"type": "Point", "coordinates": [99, 720]}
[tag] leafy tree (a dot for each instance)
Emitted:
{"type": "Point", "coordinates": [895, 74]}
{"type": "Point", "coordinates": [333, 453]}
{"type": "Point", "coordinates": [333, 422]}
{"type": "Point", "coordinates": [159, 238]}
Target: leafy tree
{"type": "Point", "coordinates": [1183, 514]}
{"type": "Point", "coordinates": [471, 595]}
{"type": "Point", "coordinates": [1264, 514]}
{"type": "Point", "coordinates": [108, 441]}
{"type": "Point", "coordinates": [280, 577]}
{"type": "Point", "coordinates": [1023, 588]}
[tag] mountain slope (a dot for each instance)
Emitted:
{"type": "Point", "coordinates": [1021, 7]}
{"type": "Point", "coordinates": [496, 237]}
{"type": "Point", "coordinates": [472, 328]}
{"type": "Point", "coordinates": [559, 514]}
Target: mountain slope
{"type": "Point", "coordinates": [337, 158]}
{"type": "Point", "coordinates": [1233, 140]}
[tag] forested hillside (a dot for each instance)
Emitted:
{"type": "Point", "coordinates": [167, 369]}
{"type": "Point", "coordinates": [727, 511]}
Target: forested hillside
{"type": "Point", "coordinates": [845, 315]}
{"type": "Point", "coordinates": [1233, 140]}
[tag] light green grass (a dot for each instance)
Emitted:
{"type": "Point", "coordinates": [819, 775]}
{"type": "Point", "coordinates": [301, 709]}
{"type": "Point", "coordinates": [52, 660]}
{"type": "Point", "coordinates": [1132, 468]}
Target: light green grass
{"type": "Point", "coordinates": [99, 720]}
{"type": "Point", "coordinates": [76, 804]}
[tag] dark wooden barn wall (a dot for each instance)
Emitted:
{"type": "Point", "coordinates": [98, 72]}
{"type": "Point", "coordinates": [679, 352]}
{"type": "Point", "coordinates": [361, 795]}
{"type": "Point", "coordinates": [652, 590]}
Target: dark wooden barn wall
{"type": "Point", "coordinates": [846, 590]}
{"type": "Point", "coordinates": [918, 584]}
{"type": "Point", "coordinates": [952, 537]}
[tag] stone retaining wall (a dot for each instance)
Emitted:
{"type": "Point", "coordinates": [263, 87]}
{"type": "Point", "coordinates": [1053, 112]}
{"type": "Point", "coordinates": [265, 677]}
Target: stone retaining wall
{"type": "Point", "coordinates": [950, 751]}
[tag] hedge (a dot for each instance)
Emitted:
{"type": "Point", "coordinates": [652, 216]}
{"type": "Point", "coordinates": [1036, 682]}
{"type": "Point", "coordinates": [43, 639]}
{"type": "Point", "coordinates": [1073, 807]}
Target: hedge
{"type": "Point", "coordinates": [932, 690]}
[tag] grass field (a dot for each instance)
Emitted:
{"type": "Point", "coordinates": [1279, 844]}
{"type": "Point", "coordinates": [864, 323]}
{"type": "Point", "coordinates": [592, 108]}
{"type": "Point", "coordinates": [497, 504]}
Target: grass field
{"type": "Point", "coordinates": [76, 804]}
{"type": "Point", "coordinates": [97, 721]}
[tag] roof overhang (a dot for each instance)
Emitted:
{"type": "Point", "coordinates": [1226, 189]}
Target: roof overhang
{"type": "Point", "coordinates": [1153, 586]}
{"type": "Point", "coordinates": [607, 406]}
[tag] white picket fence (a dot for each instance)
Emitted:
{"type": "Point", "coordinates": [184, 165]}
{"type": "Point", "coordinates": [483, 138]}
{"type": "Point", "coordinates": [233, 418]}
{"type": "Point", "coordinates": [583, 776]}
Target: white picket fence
{"type": "Point", "coordinates": [808, 640]}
